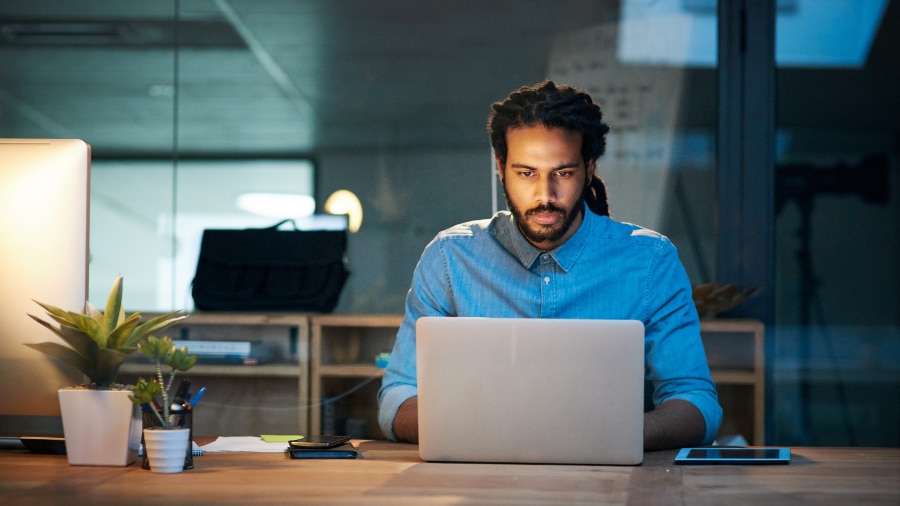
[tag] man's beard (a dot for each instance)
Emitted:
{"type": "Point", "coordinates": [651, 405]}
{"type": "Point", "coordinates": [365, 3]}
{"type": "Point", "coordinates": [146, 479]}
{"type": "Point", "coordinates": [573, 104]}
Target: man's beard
{"type": "Point", "coordinates": [538, 234]}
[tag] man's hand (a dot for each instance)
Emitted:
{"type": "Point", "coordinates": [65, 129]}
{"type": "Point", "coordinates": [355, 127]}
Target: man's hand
{"type": "Point", "coordinates": [406, 422]}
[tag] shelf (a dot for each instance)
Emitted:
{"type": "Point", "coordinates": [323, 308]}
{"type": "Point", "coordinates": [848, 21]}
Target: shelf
{"type": "Point", "coordinates": [734, 377]}
{"type": "Point", "coordinates": [335, 370]}
{"type": "Point", "coordinates": [361, 320]}
{"type": "Point", "coordinates": [350, 371]}
{"type": "Point", "coordinates": [344, 349]}
{"type": "Point", "coordinates": [225, 370]}
{"type": "Point", "coordinates": [342, 344]}
{"type": "Point", "coordinates": [735, 351]}
{"type": "Point", "coordinates": [267, 398]}
{"type": "Point", "coordinates": [241, 318]}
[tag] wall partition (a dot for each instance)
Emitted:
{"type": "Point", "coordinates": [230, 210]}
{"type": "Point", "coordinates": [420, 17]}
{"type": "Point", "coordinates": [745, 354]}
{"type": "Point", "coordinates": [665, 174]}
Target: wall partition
{"type": "Point", "coordinates": [148, 217]}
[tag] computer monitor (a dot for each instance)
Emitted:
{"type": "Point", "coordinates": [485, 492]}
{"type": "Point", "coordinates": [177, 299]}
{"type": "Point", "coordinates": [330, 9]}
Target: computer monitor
{"type": "Point", "coordinates": [44, 232]}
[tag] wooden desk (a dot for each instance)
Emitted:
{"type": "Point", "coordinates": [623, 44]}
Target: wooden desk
{"type": "Point", "coordinates": [392, 473]}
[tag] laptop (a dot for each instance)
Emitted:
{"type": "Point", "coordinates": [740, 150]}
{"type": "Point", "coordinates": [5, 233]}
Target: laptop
{"type": "Point", "coordinates": [525, 390]}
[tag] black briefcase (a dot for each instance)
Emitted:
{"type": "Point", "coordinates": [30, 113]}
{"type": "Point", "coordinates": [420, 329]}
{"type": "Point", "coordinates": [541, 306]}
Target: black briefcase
{"type": "Point", "coordinates": [266, 269]}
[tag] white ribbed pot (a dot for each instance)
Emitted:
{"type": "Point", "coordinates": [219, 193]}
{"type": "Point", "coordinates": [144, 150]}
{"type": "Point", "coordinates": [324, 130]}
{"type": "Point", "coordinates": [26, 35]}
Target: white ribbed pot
{"type": "Point", "coordinates": [166, 448]}
{"type": "Point", "coordinates": [101, 427]}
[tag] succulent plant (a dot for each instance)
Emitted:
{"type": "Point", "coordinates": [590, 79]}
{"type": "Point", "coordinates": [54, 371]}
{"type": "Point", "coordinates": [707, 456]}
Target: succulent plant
{"type": "Point", "coordinates": [711, 299]}
{"type": "Point", "coordinates": [97, 343]}
{"type": "Point", "coordinates": [144, 393]}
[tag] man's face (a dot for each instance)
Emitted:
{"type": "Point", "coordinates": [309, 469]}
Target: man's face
{"type": "Point", "coordinates": [544, 180]}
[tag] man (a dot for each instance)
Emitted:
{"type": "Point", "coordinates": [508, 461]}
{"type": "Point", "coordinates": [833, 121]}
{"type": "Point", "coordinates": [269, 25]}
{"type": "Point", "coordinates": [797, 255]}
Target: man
{"type": "Point", "coordinates": [557, 254]}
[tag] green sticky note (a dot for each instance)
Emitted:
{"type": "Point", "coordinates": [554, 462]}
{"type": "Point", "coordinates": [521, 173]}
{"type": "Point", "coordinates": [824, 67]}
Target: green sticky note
{"type": "Point", "coordinates": [276, 438]}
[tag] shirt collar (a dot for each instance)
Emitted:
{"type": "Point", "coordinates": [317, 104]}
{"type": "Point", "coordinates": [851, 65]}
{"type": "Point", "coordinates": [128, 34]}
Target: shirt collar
{"type": "Point", "coordinates": [565, 255]}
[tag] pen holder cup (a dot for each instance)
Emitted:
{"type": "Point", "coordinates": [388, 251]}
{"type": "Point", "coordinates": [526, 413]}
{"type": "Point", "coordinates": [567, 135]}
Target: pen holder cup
{"type": "Point", "coordinates": [182, 419]}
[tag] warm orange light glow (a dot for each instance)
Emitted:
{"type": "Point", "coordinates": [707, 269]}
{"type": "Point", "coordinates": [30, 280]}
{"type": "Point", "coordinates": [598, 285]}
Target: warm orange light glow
{"type": "Point", "coordinates": [346, 202]}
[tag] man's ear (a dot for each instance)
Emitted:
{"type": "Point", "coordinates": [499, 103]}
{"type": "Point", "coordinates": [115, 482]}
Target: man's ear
{"type": "Point", "coordinates": [499, 168]}
{"type": "Point", "coordinates": [591, 169]}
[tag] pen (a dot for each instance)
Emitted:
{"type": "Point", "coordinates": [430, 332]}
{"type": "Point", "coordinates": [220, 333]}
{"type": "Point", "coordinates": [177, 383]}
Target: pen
{"type": "Point", "coordinates": [197, 396]}
{"type": "Point", "coordinates": [181, 393]}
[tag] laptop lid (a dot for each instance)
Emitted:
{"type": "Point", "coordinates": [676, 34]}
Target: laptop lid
{"type": "Point", "coordinates": [526, 390]}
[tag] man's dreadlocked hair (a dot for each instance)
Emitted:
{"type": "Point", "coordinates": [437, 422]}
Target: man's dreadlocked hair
{"type": "Point", "coordinates": [555, 106]}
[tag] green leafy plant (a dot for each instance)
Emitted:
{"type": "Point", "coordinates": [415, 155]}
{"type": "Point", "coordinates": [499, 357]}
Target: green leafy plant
{"type": "Point", "coordinates": [97, 343]}
{"type": "Point", "coordinates": [148, 393]}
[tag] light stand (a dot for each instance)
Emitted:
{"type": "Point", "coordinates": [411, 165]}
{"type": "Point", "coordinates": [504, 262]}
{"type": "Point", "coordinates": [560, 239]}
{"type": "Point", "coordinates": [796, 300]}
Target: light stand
{"type": "Point", "coordinates": [802, 183]}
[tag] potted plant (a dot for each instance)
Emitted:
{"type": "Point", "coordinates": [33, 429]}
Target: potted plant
{"type": "Point", "coordinates": [100, 424]}
{"type": "Point", "coordinates": [167, 425]}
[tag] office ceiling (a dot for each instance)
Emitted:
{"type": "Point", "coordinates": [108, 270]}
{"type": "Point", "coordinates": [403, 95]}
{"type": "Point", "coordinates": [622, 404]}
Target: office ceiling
{"type": "Point", "coordinates": [300, 76]}
{"type": "Point", "coordinates": [271, 76]}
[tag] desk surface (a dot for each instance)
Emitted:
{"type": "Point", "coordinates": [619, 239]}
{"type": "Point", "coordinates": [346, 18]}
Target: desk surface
{"type": "Point", "coordinates": [392, 473]}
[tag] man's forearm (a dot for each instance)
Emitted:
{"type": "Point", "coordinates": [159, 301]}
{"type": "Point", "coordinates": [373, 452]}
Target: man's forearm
{"type": "Point", "coordinates": [673, 424]}
{"type": "Point", "coordinates": [406, 422]}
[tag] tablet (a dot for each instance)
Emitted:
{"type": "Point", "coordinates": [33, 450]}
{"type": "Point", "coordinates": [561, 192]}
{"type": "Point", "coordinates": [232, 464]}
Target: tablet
{"type": "Point", "coordinates": [739, 456]}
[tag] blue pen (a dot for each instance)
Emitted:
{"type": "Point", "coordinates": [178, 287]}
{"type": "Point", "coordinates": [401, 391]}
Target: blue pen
{"type": "Point", "coordinates": [197, 396]}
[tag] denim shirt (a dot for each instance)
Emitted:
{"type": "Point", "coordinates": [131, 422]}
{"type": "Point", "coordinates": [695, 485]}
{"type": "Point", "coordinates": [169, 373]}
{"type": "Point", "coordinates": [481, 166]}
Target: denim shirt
{"type": "Point", "coordinates": [606, 270]}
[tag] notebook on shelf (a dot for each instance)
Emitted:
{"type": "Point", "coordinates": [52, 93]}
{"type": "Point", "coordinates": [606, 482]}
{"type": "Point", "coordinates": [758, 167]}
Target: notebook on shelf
{"type": "Point", "coordinates": [530, 390]}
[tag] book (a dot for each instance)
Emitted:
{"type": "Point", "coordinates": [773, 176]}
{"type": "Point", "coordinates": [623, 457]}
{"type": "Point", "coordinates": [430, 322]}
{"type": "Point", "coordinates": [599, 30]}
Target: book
{"type": "Point", "coordinates": [210, 352]}
{"type": "Point", "coordinates": [218, 349]}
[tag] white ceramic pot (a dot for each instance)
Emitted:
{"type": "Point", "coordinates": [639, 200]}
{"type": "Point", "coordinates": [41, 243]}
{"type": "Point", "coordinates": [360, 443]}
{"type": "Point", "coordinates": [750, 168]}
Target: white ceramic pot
{"type": "Point", "coordinates": [166, 448]}
{"type": "Point", "coordinates": [101, 427]}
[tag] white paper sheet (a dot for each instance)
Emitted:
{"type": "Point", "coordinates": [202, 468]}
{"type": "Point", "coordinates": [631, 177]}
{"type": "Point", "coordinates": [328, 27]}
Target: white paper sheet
{"type": "Point", "coordinates": [244, 444]}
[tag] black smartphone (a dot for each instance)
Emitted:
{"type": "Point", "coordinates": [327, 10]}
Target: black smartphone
{"type": "Point", "coordinates": [318, 442]}
{"type": "Point", "coordinates": [726, 455]}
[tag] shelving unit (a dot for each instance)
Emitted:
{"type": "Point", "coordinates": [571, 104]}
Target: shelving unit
{"type": "Point", "coordinates": [268, 398]}
{"type": "Point", "coordinates": [344, 347]}
{"type": "Point", "coordinates": [324, 379]}
{"type": "Point", "coordinates": [735, 351]}
{"type": "Point", "coordinates": [344, 379]}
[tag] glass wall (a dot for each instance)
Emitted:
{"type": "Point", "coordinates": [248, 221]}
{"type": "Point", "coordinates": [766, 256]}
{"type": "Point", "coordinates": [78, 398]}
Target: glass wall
{"type": "Point", "coordinates": [154, 86]}
{"type": "Point", "coordinates": [188, 104]}
{"type": "Point", "coordinates": [837, 338]}
{"type": "Point", "coordinates": [659, 96]}
{"type": "Point", "coordinates": [148, 217]}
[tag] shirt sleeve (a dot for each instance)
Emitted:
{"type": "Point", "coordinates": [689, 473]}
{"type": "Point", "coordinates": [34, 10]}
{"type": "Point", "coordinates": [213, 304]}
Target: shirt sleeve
{"type": "Point", "coordinates": [675, 360]}
{"type": "Point", "coordinates": [399, 381]}
{"type": "Point", "coordinates": [429, 296]}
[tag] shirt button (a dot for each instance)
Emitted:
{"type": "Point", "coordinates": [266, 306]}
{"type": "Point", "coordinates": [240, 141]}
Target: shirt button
{"type": "Point", "coordinates": [547, 279]}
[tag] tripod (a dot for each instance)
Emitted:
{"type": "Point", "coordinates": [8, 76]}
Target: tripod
{"type": "Point", "coordinates": [802, 183]}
